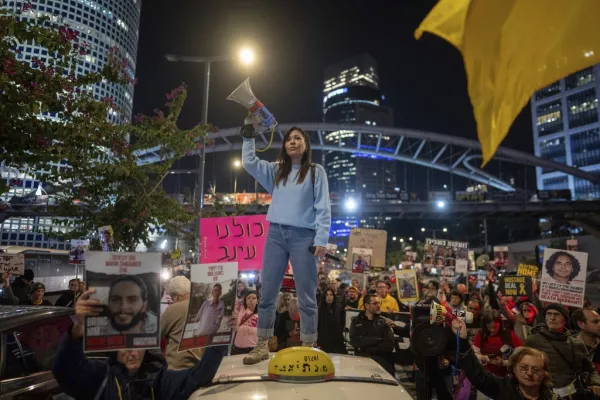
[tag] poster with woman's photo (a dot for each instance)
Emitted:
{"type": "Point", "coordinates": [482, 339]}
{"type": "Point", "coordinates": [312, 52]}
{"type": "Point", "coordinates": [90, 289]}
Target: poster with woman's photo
{"type": "Point", "coordinates": [407, 285]}
{"type": "Point", "coordinates": [211, 319]}
{"type": "Point", "coordinates": [128, 285]}
{"type": "Point", "coordinates": [78, 249]}
{"type": "Point", "coordinates": [361, 260]}
{"type": "Point", "coordinates": [501, 256]}
{"type": "Point", "coordinates": [443, 254]}
{"type": "Point", "coordinates": [563, 277]}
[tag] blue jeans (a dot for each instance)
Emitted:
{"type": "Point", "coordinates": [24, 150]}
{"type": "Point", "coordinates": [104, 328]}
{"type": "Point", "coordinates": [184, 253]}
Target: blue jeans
{"type": "Point", "coordinates": [284, 243]}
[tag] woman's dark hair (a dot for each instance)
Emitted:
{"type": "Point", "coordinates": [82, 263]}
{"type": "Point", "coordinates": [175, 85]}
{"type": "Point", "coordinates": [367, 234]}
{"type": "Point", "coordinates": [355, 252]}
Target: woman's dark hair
{"type": "Point", "coordinates": [488, 317]}
{"type": "Point", "coordinates": [285, 162]}
{"type": "Point", "coordinates": [324, 298]}
{"type": "Point", "coordinates": [552, 260]}
{"type": "Point", "coordinates": [257, 300]}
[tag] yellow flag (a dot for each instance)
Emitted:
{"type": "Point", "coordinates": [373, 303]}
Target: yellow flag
{"type": "Point", "coordinates": [511, 48]}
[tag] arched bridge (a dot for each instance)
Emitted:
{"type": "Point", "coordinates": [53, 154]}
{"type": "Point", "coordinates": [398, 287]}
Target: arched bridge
{"type": "Point", "coordinates": [455, 155]}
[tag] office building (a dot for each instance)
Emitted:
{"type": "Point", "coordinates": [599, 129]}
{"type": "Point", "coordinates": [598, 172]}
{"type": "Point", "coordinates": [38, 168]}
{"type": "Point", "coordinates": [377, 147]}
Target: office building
{"type": "Point", "coordinates": [351, 95]}
{"type": "Point", "coordinates": [566, 129]}
{"type": "Point", "coordinates": [103, 24]}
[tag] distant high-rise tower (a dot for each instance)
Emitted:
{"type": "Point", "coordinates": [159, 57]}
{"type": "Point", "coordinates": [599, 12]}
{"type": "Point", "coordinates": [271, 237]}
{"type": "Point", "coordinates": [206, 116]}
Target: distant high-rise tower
{"type": "Point", "coordinates": [103, 24]}
{"type": "Point", "coordinates": [566, 129]}
{"type": "Point", "coordinates": [352, 95]}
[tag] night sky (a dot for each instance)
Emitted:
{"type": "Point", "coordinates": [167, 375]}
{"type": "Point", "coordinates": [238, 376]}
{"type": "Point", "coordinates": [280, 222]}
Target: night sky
{"type": "Point", "coordinates": [423, 81]}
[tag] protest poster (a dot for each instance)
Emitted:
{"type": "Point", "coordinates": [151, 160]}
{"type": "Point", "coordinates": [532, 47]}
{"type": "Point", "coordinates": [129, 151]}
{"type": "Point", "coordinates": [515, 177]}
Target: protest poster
{"type": "Point", "coordinates": [516, 286]}
{"type": "Point", "coordinates": [373, 239]}
{"type": "Point", "coordinates": [528, 270]}
{"type": "Point", "coordinates": [210, 320]}
{"type": "Point", "coordinates": [128, 285]}
{"type": "Point", "coordinates": [563, 277]}
{"type": "Point", "coordinates": [361, 260]}
{"type": "Point", "coordinates": [471, 257]}
{"type": "Point", "coordinates": [78, 250]}
{"type": "Point", "coordinates": [407, 285]}
{"type": "Point", "coordinates": [14, 264]}
{"type": "Point", "coordinates": [462, 267]}
{"type": "Point", "coordinates": [448, 272]}
{"type": "Point", "coordinates": [107, 237]}
{"type": "Point", "coordinates": [238, 239]}
{"type": "Point", "coordinates": [501, 256]}
{"type": "Point", "coordinates": [481, 279]}
{"type": "Point", "coordinates": [288, 285]}
{"type": "Point", "coordinates": [440, 253]}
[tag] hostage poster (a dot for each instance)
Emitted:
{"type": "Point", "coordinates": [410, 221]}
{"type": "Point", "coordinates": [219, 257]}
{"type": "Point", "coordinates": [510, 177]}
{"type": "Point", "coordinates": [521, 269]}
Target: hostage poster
{"type": "Point", "coordinates": [210, 320]}
{"type": "Point", "coordinates": [443, 254]}
{"type": "Point", "coordinates": [407, 285]}
{"type": "Point", "coordinates": [128, 285]}
{"type": "Point", "coordinates": [563, 277]}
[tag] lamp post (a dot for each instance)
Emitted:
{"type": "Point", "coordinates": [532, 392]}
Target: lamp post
{"type": "Point", "coordinates": [236, 165]}
{"type": "Point", "coordinates": [247, 57]}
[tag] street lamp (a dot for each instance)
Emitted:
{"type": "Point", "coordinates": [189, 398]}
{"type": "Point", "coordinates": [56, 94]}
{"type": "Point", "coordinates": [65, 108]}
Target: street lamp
{"type": "Point", "coordinates": [435, 230]}
{"type": "Point", "coordinates": [445, 230]}
{"type": "Point", "coordinates": [422, 229]}
{"type": "Point", "coordinates": [401, 240]}
{"type": "Point", "coordinates": [247, 57]}
{"type": "Point", "coordinates": [394, 238]}
{"type": "Point", "coordinates": [410, 238]}
{"type": "Point", "coordinates": [441, 204]}
{"type": "Point", "coordinates": [350, 204]}
{"type": "Point", "coordinates": [236, 165]}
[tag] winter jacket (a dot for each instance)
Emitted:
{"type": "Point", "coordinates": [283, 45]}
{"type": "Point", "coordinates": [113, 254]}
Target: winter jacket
{"type": "Point", "coordinates": [21, 290]}
{"type": "Point", "coordinates": [331, 329]}
{"type": "Point", "coordinates": [66, 299]}
{"type": "Point", "coordinates": [81, 378]}
{"type": "Point", "coordinates": [498, 388]}
{"type": "Point", "coordinates": [572, 349]}
{"type": "Point", "coordinates": [372, 336]}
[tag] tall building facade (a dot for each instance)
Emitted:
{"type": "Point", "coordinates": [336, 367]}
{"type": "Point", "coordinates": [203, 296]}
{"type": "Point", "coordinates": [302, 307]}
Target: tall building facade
{"type": "Point", "coordinates": [566, 129]}
{"type": "Point", "coordinates": [103, 24]}
{"type": "Point", "coordinates": [352, 95]}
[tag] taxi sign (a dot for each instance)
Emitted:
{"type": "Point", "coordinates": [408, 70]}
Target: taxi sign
{"type": "Point", "coordinates": [301, 365]}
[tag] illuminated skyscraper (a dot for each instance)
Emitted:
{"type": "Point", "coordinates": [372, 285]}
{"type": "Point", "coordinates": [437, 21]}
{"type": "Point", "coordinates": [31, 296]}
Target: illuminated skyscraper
{"type": "Point", "coordinates": [566, 129]}
{"type": "Point", "coordinates": [103, 24]}
{"type": "Point", "coordinates": [352, 95]}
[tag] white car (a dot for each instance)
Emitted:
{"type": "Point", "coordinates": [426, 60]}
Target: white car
{"type": "Point", "coordinates": [355, 378]}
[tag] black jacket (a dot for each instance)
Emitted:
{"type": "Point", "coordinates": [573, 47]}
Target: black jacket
{"type": "Point", "coordinates": [505, 388]}
{"type": "Point", "coordinates": [66, 299]}
{"type": "Point", "coordinates": [21, 290]}
{"type": "Point", "coordinates": [81, 378]}
{"type": "Point", "coordinates": [372, 336]}
{"type": "Point", "coordinates": [331, 329]}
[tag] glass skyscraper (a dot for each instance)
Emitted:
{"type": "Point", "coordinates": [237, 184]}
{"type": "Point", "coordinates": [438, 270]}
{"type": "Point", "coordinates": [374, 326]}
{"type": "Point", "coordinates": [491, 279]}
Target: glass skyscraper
{"type": "Point", "coordinates": [351, 95]}
{"type": "Point", "coordinates": [566, 129]}
{"type": "Point", "coordinates": [103, 24]}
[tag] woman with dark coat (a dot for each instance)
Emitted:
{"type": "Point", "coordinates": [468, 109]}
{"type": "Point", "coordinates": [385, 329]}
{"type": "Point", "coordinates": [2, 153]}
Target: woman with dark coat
{"type": "Point", "coordinates": [331, 325]}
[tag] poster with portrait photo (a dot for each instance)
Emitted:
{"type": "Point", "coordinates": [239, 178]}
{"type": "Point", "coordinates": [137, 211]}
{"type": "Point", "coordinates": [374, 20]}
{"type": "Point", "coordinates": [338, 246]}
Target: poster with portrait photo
{"type": "Point", "coordinates": [563, 277]}
{"type": "Point", "coordinates": [78, 249]}
{"type": "Point", "coordinates": [407, 285]}
{"type": "Point", "coordinates": [210, 320]}
{"type": "Point", "coordinates": [361, 260]}
{"type": "Point", "coordinates": [501, 256]}
{"type": "Point", "coordinates": [128, 285]}
{"type": "Point", "coordinates": [441, 253]}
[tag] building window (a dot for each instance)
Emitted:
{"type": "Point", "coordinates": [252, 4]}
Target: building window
{"type": "Point", "coordinates": [585, 148]}
{"type": "Point", "coordinates": [548, 91]}
{"type": "Point", "coordinates": [558, 183]}
{"type": "Point", "coordinates": [581, 78]}
{"type": "Point", "coordinates": [586, 190]}
{"type": "Point", "coordinates": [549, 118]}
{"type": "Point", "coordinates": [583, 108]}
{"type": "Point", "coordinates": [553, 150]}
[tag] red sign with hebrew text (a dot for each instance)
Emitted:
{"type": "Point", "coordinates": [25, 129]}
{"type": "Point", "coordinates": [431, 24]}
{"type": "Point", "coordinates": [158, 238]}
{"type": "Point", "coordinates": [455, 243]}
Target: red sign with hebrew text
{"type": "Point", "coordinates": [231, 239]}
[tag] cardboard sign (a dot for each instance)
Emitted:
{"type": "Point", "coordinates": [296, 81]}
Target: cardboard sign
{"type": "Point", "coordinates": [128, 286]}
{"type": "Point", "coordinates": [563, 277]}
{"type": "Point", "coordinates": [528, 270]}
{"type": "Point", "coordinates": [373, 239]}
{"type": "Point", "coordinates": [516, 286]}
{"type": "Point", "coordinates": [14, 264]}
{"type": "Point", "coordinates": [234, 239]}
{"type": "Point", "coordinates": [211, 319]}
{"type": "Point", "coordinates": [407, 285]}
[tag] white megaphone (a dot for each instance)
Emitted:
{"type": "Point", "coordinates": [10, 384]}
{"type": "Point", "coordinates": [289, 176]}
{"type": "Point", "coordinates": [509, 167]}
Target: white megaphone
{"type": "Point", "coordinates": [244, 96]}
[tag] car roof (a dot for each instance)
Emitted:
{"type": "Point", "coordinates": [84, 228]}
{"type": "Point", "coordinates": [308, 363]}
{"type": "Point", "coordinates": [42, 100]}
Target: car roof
{"type": "Point", "coordinates": [355, 378]}
{"type": "Point", "coordinates": [13, 316]}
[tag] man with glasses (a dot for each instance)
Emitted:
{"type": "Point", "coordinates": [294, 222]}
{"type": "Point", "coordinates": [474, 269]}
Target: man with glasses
{"type": "Point", "coordinates": [373, 336]}
{"type": "Point", "coordinates": [567, 354]}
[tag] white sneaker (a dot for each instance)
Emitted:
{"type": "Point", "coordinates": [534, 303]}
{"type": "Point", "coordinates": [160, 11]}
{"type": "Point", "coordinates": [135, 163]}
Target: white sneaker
{"type": "Point", "coordinates": [259, 353]}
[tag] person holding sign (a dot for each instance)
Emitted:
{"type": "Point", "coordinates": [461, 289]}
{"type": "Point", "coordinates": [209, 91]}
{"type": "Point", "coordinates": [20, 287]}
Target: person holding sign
{"type": "Point", "coordinates": [300, 217]}
{"type": "Point", "coordinates": [129, 374]}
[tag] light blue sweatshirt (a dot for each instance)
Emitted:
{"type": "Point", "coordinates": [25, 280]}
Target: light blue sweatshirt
{"type": "Point", "coordinates": [300, 205]}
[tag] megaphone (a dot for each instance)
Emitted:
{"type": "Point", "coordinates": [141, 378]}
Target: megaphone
{"type": "Point", "coordinates": [243, 95]}
{"type": "Point", "coordinates": [439, 314]}
{"type": "Point", "coordinates": [482, 261]}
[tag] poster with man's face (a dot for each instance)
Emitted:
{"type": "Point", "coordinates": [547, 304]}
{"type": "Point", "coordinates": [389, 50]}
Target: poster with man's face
{"type": "Point", "coordinates": [563, 277]}
{"type": "Point", "coordinates": [211, 320]}
{"type": "Point", "coordinates": [128, 285]}
{"type": "Point", "coordinates": [407, 285]}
